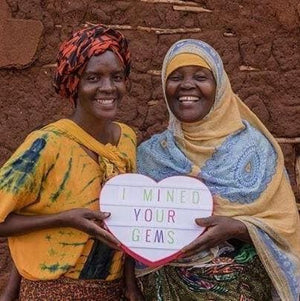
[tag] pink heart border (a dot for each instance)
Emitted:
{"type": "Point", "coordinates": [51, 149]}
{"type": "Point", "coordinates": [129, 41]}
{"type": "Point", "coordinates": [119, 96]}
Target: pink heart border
{"type": "Point", "coordinates": [167, 259]}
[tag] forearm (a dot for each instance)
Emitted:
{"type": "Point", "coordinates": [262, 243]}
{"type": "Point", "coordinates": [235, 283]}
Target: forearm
{"type": "Point", "coordinates": [129, 272]}
{"type": "Point", "coordinates": [16, 224]}
{"type": "Point", "coordinates": [11, 290]}
{"type": "Point", "coordinates": [133, 292]}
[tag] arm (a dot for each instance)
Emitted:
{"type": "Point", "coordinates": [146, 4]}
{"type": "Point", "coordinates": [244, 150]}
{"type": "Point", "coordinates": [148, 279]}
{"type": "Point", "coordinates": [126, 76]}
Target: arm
{"type": "Point", "coordinates": [11, 290]}
{"type": "Point", "coordinates": [133, 292]}
{"type": "Point", "coordinates": [82, 219]}
{"type": "Point", "coordinates": [219, 229]}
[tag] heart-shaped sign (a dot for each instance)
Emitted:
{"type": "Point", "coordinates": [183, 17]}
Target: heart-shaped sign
{"type": "Point", "coordinates": [154, 221]}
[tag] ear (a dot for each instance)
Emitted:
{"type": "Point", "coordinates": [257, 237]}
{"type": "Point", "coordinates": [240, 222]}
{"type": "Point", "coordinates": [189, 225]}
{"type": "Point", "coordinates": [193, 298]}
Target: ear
{"type": "Point", "coordinates": [128, 84]}
{"type": "Point", "coordinates": [74, 100]}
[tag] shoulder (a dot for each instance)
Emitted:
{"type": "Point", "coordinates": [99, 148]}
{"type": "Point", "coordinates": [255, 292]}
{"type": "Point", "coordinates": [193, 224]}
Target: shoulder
{"type": "Point", "coordinates": [127, 134]}
{"type": "Point", "coordinates": [159, 157]}
{"type": "Point", "coordinates": [155, 148]}
{"type": "Point", "coordinates": [157, 141]}
{"type": "Point", "coordinates": [36, 142]}
{"type": "Point", "coordinates": [32, 157]}
{"type": "Point", "coordinates": [44, 144]}
{"type": "Point", "coordinates": [241, 168]}
{"type": "Point", "coordinates": [249, 143]}
{"type": "Point", "coordinates": [126, 129]}
{"type": "Point", "coordinates": [48, 138]}
{"type": "Point", "coordinates": [250, 137]}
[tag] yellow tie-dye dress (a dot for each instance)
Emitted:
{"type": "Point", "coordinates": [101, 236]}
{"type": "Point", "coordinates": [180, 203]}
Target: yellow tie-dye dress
{"type": "Point", "coordinates": [49, 173]}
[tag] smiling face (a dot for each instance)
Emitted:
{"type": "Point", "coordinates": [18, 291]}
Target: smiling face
{"type": "Point", "coordinates": [101, 88]}
{"type": "Point", "coordinates": [190, 93]}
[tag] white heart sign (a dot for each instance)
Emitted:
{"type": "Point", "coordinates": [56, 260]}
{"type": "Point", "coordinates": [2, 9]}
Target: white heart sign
{"type": "Point", "coordinates": [154, 221]}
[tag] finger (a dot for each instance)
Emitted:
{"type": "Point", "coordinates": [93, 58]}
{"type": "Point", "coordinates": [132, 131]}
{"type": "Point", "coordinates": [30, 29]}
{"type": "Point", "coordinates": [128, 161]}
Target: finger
{"type": "Point", "coordinates": [108, 238]}
{"type": "Point", "coordinates": [104, 215]}
{"type": "Point", "coordinates": [98, 215]}
{"type": "Point", "coordinates": [205, 221]}
{"type": "Point", "coordinates": [100, 223]}
{"type": "Point", "coordinates": [190, 252]}
{"type": "Point", "coordinates": [103, 235]}
{"type": "Point", "coordinates": [108, 243]}
{"type": "Point", "coordinates": [194, 251]}
{"type": "Point", "coordinates": [202, 222]}
{"type": "Point", "coordinates": [201, 243]}
{"type": "Point", "coordinates": [192, 246]}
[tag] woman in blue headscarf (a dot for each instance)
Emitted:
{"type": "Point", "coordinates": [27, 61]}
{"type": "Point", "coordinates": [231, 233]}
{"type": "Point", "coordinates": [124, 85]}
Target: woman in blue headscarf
{"type": "Point", "coordinates": [251, 248]}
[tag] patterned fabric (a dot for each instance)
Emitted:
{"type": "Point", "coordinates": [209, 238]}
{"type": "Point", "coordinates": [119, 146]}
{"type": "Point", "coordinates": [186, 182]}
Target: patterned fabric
{"type": "Point", "coordinates": [241, 163]}
{"type": "Point", "coordinates": [74, 54]}
{"type": "Point", "coordinates": [237, 276]}
{"type": "Point", "coordinates": [50, 173]}
{"type": "Point", "coordinates": [247, 174]}
{"type": "Point", "coordinates": [66, 289]}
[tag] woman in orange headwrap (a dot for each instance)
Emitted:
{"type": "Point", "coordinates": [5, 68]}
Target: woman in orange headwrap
{"type": "Point", "coordinates": [61, 251]}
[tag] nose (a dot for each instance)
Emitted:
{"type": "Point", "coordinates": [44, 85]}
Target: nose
{"type": "Point", "coordinates": [106, 85]}
{"type": "Point", "coordinates": [187, 83]}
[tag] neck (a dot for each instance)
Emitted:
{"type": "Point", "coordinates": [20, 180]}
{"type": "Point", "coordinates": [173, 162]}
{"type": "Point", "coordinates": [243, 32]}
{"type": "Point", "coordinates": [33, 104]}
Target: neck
{"type": "Point", "coordinates": [101, 130]}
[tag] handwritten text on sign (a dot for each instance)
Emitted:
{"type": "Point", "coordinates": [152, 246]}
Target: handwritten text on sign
{"type": "Point", "coordinates": [153, 221]}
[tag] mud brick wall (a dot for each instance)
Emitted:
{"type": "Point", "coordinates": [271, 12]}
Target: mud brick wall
{"type": "Point", "coordinates": [259, 42]}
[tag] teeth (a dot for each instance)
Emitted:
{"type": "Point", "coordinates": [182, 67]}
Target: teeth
{"type": "Point", "coordinates": [105, 101]}
{"type": "Point", "coordinates": [188, 98]}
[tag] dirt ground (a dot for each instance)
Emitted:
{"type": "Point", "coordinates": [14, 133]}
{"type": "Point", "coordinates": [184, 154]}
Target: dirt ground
{"type": "Point", "coordinates": [259, 42]}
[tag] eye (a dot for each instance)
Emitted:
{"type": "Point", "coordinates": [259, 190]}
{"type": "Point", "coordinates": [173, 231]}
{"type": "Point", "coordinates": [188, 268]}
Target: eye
{"type": "Point", "coordinates": [175, 78]}
{"type": "Point", "coordinates": [200, 77]}
{"type": "Point", "coordinates": [92, 78]}
{"type": "Point", "coordinates": [118, 77]}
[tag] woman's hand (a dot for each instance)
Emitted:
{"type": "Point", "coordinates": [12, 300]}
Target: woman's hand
{"type": "Point", "coordinates": [82, 219]}
{"type": "Point", "coordinates": [90, 222]}
{"type": "Point", "coordinates": [219, 229]}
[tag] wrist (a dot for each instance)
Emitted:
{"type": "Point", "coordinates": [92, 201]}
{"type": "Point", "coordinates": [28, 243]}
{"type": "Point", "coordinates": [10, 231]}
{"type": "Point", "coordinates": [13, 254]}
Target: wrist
{"type": "Point", "coordinates": [242, 232]}
{"type": "Point", "coordinates": [59, 220]}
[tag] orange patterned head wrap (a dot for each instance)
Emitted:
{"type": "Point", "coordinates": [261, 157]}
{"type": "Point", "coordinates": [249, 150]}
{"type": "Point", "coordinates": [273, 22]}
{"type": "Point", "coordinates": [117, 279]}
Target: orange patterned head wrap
{"type": "Point", "coordinates": [74, 54]}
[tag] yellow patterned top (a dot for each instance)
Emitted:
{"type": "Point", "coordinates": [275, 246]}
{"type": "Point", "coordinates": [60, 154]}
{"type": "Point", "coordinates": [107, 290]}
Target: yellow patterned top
{"type": "Point", "coordinates": [49, 173]}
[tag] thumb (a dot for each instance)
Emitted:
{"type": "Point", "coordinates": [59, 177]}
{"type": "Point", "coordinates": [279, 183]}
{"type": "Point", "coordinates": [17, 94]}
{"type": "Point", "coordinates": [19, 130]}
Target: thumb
{"type": "Point", "coordinates": [99, 216]}
{"type": "Point", "coordinates": [104, 215]}
{"type": "Point", "coordinates": [204, 222]}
